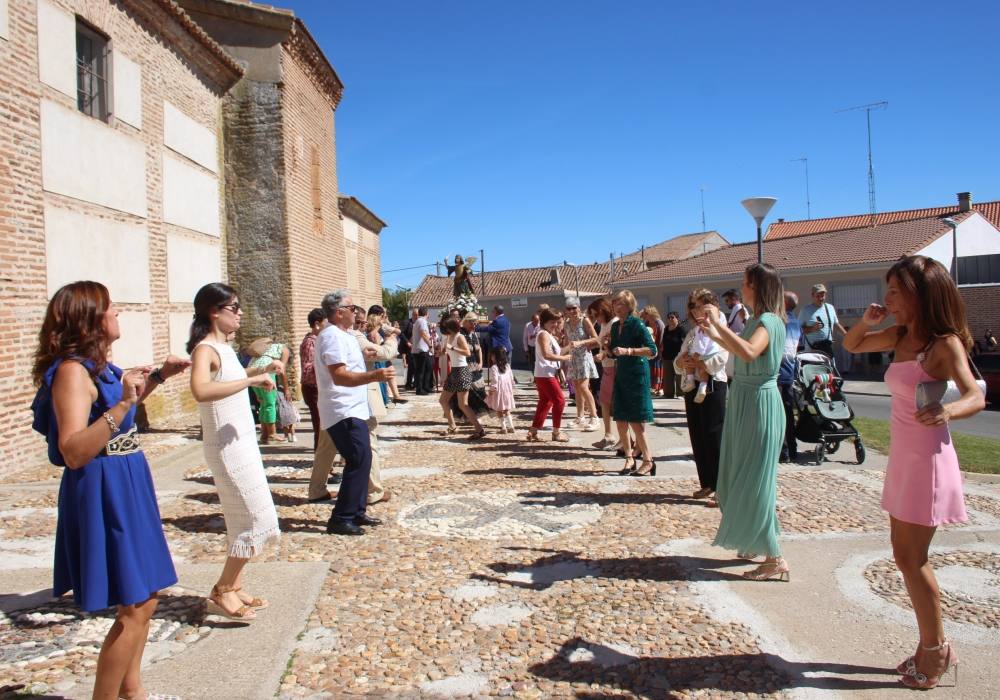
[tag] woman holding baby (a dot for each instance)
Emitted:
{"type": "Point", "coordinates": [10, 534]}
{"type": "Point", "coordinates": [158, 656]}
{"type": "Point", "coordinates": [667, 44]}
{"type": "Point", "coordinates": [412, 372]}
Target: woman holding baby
{"type": "Point", "coordinates": [705, 417]}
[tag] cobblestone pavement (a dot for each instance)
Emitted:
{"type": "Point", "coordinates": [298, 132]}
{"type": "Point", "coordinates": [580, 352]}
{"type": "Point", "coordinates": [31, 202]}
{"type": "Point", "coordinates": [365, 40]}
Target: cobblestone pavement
{"type": "Point", "coordinates": [511, 569]}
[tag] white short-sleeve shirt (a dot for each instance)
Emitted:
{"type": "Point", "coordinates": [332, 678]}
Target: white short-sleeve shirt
{"type": "Point", "coordinates": [336, 402]}
{"type": "Point", "coordinates": [419, 328]}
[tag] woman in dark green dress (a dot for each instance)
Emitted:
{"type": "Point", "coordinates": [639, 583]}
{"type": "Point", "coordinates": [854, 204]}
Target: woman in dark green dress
{"type": "Point", "coordinates": [632, 405]}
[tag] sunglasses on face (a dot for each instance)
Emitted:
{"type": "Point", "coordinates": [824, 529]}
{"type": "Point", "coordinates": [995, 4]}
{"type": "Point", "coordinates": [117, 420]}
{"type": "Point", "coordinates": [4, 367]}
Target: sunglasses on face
{"type": "Point", "coordinates": [234, 307]}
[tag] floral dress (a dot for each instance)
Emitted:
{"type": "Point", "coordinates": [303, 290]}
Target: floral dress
{"type": "Point", "coordinates": [581, 366]}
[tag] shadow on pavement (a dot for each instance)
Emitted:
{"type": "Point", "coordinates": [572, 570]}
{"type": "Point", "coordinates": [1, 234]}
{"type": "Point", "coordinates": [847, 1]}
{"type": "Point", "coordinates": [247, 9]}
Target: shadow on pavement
{"type": "Point", "coordinates": [731, 673]}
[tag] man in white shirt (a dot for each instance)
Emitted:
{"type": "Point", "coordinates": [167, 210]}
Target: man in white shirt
{"type": "Point", "coordinates": [531, 329]}
{"type": "Point", "coordinates": [420, 342]}
{"type": "Point", "coordinates": [736, 319]}
{"type": "Point", "coordinates": [341, 377]}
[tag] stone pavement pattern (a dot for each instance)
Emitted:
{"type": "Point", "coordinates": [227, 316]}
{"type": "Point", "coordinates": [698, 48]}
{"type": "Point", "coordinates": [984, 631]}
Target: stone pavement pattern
{"type": "Point", "coordinates": [515, 569]}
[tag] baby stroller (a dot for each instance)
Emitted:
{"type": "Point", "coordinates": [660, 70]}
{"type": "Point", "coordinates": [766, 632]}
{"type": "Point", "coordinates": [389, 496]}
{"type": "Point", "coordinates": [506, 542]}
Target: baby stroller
{"type": "Point", "coordinates": [824, 414]}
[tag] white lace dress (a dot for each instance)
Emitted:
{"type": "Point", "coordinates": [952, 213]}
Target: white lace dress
{"type": "Point", "coordinates": [232, 453]}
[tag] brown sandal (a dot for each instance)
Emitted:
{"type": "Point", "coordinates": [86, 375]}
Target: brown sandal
{"type": "Point", "coordinates": [254, 602]}
{"type": "Point", "coordinates": [215, 606]}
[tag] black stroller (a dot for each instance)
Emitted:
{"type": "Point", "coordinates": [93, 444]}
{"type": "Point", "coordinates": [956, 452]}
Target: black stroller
{"type": "Point", "coordinates": [824, 414]}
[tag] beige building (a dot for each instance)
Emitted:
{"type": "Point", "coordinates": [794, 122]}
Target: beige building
{"type": "Point", "coordinates": [851, 262]}
{"type": "Point", "coordinates": [111, 171]}
{"type": "Point", "coordinates": [362, 229]}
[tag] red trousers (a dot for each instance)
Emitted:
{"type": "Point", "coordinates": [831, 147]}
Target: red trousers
{"type": "Point", "coordinates": [550, 397]}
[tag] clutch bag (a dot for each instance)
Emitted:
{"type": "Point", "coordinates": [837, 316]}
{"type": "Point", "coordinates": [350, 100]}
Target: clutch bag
{"type": "Point", "coordinates": [945, 391]}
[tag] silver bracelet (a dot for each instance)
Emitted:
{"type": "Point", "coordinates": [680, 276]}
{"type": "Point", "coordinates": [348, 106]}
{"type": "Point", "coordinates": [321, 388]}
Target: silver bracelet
{"type": "Point", "coordinates": [112, 423]}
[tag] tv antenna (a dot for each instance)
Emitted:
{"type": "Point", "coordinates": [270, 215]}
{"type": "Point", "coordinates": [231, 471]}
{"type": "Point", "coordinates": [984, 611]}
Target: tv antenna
{"type": "Point", "coordinates": [702, 190]}
{"type": "Point", "coordinates": [805, 161]}
{"type": "Point", "coordinates": [871, 170]}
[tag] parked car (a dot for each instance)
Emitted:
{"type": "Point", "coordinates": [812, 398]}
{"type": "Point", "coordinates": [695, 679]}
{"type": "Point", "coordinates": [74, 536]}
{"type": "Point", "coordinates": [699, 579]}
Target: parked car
{"type": "Point", "coordinates": [989, 367]}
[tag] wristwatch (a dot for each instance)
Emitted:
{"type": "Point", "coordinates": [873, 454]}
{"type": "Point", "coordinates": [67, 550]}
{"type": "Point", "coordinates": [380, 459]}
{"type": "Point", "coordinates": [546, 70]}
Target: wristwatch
{"type": "Point", "coordinates": [157, 376]}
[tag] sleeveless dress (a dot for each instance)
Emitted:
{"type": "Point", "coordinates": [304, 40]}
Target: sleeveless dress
{"type": "Point", "coordinates": [631, 400]}
{"type": "Point", "coordinates": [923, 484]}
{"type": "Point", "coordinates": [460, 377]}
{"type": "Point", "coordinates": [110, 548]}
{"type": "Point", "coordinates": [233, 456]}
{"type": "Point", "coordinates": [751, 441]}
{"type": "Point", "coordinates": [581, 366]}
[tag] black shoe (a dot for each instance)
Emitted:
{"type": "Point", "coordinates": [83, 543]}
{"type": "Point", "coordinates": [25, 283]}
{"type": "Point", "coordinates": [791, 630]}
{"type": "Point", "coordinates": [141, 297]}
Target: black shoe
{"type": "Point", "coordinates": [341, 527]}
{"type": "Point", "coordinates": [629, 467]}
{"type": "Point", "coordinates": [367, 520]}
{"type": "Point", "coordinates": [400, 400]}
{"type": "Point", "coordinates": [423, 393]}
{"type": "Point", "coordinates": [322, 499]}
{"type": "Point", "coordinates": [334, 479]}
{"type": "Point", "coordinates": [783, 458]}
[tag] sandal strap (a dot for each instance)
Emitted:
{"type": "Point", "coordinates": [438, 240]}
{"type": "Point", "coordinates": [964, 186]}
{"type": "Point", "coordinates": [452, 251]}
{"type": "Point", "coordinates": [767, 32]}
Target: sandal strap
{"type": "Point", "coordinates": [219, 589]}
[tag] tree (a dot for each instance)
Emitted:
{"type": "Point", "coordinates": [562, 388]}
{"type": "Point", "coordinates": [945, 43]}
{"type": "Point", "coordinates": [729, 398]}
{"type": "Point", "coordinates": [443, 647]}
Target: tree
{"type": "Point", "coordinates": [394, 302]}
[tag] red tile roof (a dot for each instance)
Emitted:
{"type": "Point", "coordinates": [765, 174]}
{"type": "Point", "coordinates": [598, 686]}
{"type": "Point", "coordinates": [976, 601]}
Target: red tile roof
{"type": "Point", "coordinates": [784, 229]}
{"type": "Point", "coordinates": [830, 249]}
{"type": "Point", "coordinates": [436, 291]}
{"type": "Point", "coordinates": [674, 249]}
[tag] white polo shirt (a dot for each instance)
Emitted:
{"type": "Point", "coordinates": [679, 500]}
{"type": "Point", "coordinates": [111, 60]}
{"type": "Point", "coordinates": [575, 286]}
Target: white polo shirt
{"type": "Point", "coordinates": [336, 402]}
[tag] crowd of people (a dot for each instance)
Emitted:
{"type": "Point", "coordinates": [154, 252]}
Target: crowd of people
{"type": "Point", "coordinates": [729, 367]}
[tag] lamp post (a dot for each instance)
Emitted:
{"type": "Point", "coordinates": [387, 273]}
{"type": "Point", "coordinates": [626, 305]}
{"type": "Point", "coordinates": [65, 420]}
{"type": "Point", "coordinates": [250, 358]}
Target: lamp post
{"type": "Point", "coordinates": [953, 225]}
{"type": "Point", "coordinates": [576, 275]}
{"type": "Point", "coordinates": [758, 208]}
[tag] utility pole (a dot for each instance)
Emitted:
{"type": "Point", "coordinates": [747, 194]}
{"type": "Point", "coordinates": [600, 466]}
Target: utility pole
{"type": "Point", "coordinates": [703, 227]}
{"type": "Point", "coordinates": [437, 269]}
{"type": "Point", "coordinates": [804, 160]}
{"type": "Point", "coordinates": [872, 210]}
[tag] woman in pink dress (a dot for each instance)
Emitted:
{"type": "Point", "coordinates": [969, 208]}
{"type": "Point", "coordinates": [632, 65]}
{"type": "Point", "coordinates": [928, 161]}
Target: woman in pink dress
{"type": "Point", "coordinates": [923, 484]}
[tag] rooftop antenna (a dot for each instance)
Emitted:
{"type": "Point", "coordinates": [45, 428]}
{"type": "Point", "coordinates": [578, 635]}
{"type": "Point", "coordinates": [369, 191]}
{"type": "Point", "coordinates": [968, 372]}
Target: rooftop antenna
{"type": "Point", "coordinates": [805, 160]}
{"type": "Point", "coordinates": [703, 228]}
{"type": "Point", "coordinates": [871, 170]}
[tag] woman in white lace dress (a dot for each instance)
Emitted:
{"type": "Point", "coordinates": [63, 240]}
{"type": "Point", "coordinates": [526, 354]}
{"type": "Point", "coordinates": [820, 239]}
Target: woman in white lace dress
{"type": "Point", "coordinates": [219, 384]}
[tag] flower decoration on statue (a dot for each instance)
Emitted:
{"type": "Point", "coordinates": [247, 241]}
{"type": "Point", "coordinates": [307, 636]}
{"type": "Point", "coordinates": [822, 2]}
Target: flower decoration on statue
{"type": "Point", "coordinates": [465, 303]}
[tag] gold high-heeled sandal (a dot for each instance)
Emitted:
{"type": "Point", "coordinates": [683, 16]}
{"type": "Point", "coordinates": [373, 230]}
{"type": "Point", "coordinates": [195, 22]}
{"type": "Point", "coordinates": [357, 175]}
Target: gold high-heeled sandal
{"type": "Point", "coordinates": [770, 571]}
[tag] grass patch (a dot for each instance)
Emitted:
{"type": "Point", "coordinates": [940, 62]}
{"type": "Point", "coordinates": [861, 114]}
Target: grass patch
{"type": "Point", "coordinates": [975, 454]}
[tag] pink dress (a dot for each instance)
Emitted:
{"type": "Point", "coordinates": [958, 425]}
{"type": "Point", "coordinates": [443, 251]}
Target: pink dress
{"type": "Point", "coordinates": [501, 394]}
{"type": "Point", "coordinates": [923, 484]}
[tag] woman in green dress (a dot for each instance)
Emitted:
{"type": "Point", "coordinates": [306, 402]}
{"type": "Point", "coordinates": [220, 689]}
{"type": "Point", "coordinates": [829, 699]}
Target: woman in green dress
{"type": "Point", "coordinates": [754, 427]}
{"type": "Point", "coordinates": [632, 405]}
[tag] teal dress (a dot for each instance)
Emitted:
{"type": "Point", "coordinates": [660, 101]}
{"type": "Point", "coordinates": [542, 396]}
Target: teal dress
{"type": "Point", "coordinates": [751, 441]}
{"type": "Point", "coordinates": [632, 401]}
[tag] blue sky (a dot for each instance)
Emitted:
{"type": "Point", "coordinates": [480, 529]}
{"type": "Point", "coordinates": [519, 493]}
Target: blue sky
{"type": "Point", "coordinates": [543, 131]}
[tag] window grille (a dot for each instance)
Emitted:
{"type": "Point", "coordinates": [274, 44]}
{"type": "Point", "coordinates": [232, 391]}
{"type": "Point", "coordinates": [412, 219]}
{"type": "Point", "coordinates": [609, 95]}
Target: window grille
{"type": "Point", "coordinates": [979, 269]}
{"type": "Point", "coordinates": [93, 72]}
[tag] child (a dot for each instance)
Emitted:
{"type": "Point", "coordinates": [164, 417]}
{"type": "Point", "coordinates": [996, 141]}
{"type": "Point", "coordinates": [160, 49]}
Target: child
{"type": "Point", "coordinates": [701, 348]}
{"type": "Point", "coordinates": [500, 398]}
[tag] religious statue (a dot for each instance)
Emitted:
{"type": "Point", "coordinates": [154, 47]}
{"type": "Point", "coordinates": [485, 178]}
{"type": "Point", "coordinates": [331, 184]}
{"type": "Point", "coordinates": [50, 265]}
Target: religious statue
{"type": "Point", "coordinates": [463, 272]}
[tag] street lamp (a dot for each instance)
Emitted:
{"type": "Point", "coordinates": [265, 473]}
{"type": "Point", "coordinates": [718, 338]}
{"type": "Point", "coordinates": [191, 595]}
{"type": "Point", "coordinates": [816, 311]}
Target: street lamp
{"type": "Point", "coordinates": [951, 223]}
{"type": "Point", "coordinates": [576, 274]}
{"type": "Point", "coordinates": [758, 208]}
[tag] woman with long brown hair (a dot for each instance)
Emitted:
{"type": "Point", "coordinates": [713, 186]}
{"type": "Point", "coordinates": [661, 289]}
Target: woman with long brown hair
{"type": "Point", "coordinates": [110, 548]}
{"type": "Point", "coordinates": [923, 484]}
{"type": "Point", "coordinates": [755, 424]}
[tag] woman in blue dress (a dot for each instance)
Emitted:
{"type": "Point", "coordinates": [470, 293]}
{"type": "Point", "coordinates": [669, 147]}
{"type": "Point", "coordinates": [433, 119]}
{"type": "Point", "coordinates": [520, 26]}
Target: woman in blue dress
{"type": "Point", "coordinates": [110, 548]}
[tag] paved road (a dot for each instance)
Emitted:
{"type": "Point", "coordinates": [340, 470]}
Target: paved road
{"type": "Point", "coordinates": [984, 424]}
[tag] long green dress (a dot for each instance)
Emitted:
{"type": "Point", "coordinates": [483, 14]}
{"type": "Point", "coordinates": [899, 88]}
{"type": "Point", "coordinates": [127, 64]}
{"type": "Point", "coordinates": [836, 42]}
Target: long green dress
{"type": "Point", "coordinates": [632, 401]}
{"type": "Point", "coordinates": [751, 441]}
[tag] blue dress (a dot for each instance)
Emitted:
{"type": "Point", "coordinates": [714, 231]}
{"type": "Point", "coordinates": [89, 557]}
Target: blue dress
{"type": "Point", "coordinates": [110, 547]}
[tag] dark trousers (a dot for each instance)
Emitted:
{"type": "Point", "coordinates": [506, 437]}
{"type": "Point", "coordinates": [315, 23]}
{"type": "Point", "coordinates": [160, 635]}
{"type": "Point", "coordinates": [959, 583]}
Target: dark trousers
{"type": "Point", "coordinates": [310, 394]}
{"type": "Point", "coordinates": [671, 380]}
{"type": "Point", "coordinates": [531, 358]}
{"type": "Point", "coordinates": [350, 437]}
{"type": "Point", "coordinates": [705, 421]}
{"type": "Point", "coordinates": [423, 372]}
{"type": "Point", "coordinates": [409, 371]}
{"type": "Point", "coordinates": [790, 448]}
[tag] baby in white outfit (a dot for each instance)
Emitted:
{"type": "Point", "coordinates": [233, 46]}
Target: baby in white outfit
{"type": "Point", "coordinates": [701, 348]}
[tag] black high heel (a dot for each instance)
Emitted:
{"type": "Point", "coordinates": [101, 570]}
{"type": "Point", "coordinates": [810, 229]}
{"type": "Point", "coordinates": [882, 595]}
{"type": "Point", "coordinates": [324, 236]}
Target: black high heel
{"type": "Point", "coordinates": [627, 470]}
{"type": "Point", "coordinates": [651, 472]}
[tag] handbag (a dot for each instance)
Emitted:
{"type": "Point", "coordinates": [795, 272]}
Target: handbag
{"type": "Point", "coordinates": [287, 413]}
{"type": "Point", "coordinates": [944, 391]}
